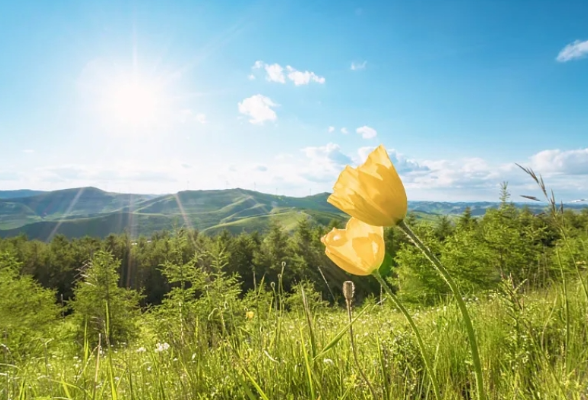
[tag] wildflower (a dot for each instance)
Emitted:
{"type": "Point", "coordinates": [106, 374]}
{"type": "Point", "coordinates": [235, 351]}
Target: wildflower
{"type": "Point", "coordinates": [141, 350]}
{"type": "Point", "coordinates": [372, 192]}
{"type": "Point", "coordinates": [249, 314]}
{"type": "Point", "coordinates": [358, 249]}
{"type": "Point", "coordinates": [161, 347]}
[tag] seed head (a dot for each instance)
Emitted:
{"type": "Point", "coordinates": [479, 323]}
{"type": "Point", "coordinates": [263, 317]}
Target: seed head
{"type": "Point", "coordinates": [348, 290]}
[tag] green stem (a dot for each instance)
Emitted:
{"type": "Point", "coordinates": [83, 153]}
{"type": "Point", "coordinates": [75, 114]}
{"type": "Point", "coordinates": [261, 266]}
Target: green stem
{"type": "Point", "coordinates": [363, 375]}
{"type": "Point", "coordinates": [403, 310]}
{"type": "Point", "coordinates": [461, 304]}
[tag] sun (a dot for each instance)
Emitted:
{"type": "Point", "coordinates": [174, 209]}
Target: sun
{"type": "Point", "coordinates": [127, 99]}
{"type": "Point", "coordinates": [135, 102]}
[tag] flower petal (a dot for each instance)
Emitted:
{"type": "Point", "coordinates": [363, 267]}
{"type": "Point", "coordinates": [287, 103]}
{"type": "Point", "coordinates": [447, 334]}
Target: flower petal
{"type": "Point", "coordinates": [358, 249]}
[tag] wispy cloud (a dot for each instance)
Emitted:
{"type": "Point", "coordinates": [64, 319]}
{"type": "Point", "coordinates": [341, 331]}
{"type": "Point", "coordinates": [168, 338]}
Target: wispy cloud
{"type": "Point", "coordinates": [355, 66]}
{"type": "Point", "coordinates": [324, 162]}
{"type": "Point", "coordinates": [457, 179]}
{"type": "Point", "coordinates": [573, 51]}
{"type": "Point", "coordinates": [276, 73]}
{"type": "Point", "coordinates": [401, 162]}
{"type": "Point", "coordinates": [259, 108]}
{"type": "Point", "coordinates": [366, 132]}
{"type": "Point", "coordinates": [28, 151]}
{"type": "Point", "coordinates": [344, 131]}
{"type": "Point", "coordinates": [317, 167]}
{"type": "Point", "coordinates": [331, 129]}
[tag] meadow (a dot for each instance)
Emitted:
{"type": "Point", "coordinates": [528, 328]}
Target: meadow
{"type": "Point", "coordinates": [183, 315]}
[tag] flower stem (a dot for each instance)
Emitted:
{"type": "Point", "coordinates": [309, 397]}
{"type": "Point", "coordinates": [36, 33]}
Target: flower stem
{"type": "Point", "coordinates": [351, 338]}
{"type": "Point", "coordinates": [461, 304]}
{"type": "Point", "coordinates": [403, 310]}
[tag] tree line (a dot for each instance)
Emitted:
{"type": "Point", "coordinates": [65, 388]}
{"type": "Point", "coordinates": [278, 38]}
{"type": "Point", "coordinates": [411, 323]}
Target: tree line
{"type": "Point", "coordinates": [103, 284]}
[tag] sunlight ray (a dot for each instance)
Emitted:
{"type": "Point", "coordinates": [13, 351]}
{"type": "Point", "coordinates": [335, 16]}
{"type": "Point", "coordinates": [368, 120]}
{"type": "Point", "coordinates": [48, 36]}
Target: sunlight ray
{"type": "Point", "coordinates": [63, 217]}
{"type": "Point", "coordinates": [187, 221]}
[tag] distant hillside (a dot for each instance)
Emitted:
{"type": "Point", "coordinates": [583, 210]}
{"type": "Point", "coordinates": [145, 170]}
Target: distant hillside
{"type": "Point", "coordinates": [94, 212]}
{"type": "Point", "coordinates": [14, 194]}
{"type": "Point", "coordinates": [80, 201]}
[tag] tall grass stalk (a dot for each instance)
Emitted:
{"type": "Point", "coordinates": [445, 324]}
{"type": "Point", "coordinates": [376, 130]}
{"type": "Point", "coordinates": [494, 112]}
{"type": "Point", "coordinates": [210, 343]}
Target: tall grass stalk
{"type": "Point", "coordinates": [416, 332]}
{"type": "Point", "coordinates": [461, 304]}
{"type": "Point", "coordinates": [348, 292]}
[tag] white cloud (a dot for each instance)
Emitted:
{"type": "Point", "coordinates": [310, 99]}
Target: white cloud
{"type": "Point", "coordinates": [275, 73]}
{"type": "Point", "coordinates": [344, 131]}
{"type": "Point", "coordinates": [259, 108]}
{"type": "Point", "coordinates": [28, 151]}
{"type": "Point", "coordinates": [572, 162]}
{"type": "Point", "coordinates": [401, 163]}
{"type": "Point", "coordinates": [573, 51]}
{"type": "Point", "coordinates": [324, 162]}
{"type": "Point", "coordinates": [251, 77]}
{"type": "Point", "coordinates": [316, 168]}
{"type": "Point", "coordinates": [201, 118]}
{"type": "Point", "coordinates": [331, 129]}
{"type": "Point", "coordinates": [303, 78]}
{"type": "Point", "coordinates": [357, 66]}
{"type": "Point", "coordinates": [327, 155]}
{"type": "Point", "coordinates": [366, 132]}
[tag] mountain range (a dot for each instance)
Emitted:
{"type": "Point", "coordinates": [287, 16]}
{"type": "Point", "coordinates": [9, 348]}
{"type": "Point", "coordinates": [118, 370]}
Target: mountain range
{"type": "Point", "coordinates": [90, 211]}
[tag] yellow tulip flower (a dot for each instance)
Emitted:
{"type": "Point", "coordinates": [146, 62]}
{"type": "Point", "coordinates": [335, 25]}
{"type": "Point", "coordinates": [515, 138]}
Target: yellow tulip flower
{"type": "Point", "coordinates": [358, 249]}
{"type": "Point", "coordinates": [372, 192]}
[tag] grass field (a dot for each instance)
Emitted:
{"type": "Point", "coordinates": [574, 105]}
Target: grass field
{"type": "Point", "coordinates": [532, 346]}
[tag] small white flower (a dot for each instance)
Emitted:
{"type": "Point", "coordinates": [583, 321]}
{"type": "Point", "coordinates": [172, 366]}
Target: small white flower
{"type": "Point", "coordinates": [328, 361]}
{"type": "Point", "coordinates": [161, 347]}
{"type": "Point", "coordinates": [141, 349]}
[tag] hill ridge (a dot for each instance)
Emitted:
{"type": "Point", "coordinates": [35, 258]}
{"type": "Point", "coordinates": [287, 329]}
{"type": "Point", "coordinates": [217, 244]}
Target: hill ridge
{"type": "Point", "coordinates": [96, 212]}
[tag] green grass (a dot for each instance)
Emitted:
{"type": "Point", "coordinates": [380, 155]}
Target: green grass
{"type": "Point", "coordinates": [276, 355]}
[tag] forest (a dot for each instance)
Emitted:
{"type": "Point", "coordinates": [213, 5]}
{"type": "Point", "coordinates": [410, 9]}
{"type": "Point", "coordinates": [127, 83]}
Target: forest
{"type": "Point", "coordinates": [181, 314]}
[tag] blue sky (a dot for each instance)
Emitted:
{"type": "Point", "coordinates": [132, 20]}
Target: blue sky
{"type": "Point", "coordinates": [277, 96]}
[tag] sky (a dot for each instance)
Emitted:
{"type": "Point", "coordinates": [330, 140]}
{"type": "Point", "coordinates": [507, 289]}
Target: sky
{"type": "Point", "coordinates": [278, 96]}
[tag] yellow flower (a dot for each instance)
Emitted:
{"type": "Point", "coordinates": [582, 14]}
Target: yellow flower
{"type": "Point", "coordinates": [249, 314]}
{"type": "Point", "coordinates": [358, 249]}
{"type": "Point", "coordinates": [372, 192]}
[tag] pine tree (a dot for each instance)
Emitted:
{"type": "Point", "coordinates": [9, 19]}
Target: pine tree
{"type": "Point", "coordinates": [101, 305]}
{"type": "Point", "coordinates": [27, 310]}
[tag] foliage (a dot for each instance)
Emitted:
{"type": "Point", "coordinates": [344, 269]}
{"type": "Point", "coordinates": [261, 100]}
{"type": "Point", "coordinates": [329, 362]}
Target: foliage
{"type": "Point", "coordinates": [224, 316]}
{"type": "Point", "coordinates": [27, 311]}
{"type": "Point", "coordinates": [100, 306]}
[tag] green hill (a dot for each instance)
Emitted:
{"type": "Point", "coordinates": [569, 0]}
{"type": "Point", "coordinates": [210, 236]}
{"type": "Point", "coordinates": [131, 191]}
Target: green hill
{"type": "Point", "coordinates": [79, 201]}
{"type": "Point", "coordinates": [15, 194]}
{"type": "Point", "coordinates": [94, 212]}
